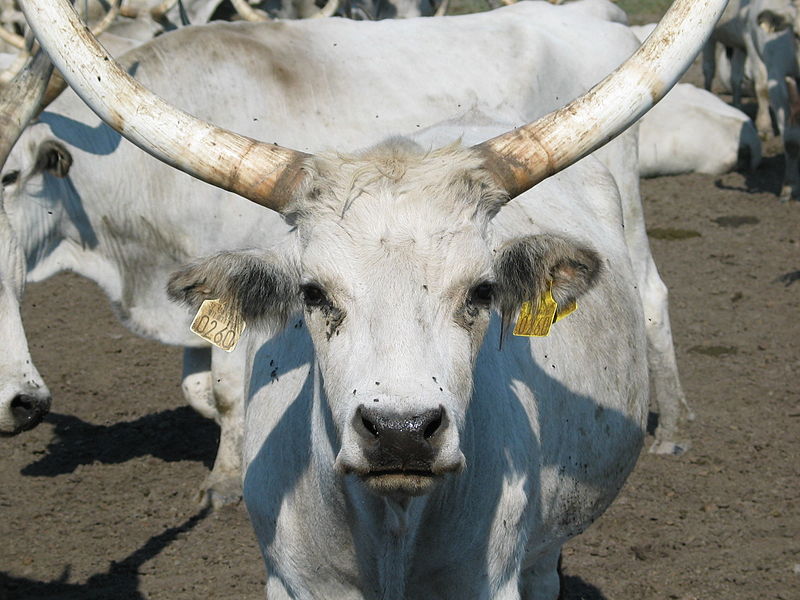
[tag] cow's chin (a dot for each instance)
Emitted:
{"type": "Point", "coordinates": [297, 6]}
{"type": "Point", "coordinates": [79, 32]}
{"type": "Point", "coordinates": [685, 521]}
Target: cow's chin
{"type": "Point", "coordinates": [394, 484]}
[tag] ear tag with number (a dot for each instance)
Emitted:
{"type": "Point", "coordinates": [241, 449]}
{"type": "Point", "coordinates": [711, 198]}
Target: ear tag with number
{"type": "Point", "coordinates": [218, 325]}
{"type": "Point", "coordinates": [530, 324]}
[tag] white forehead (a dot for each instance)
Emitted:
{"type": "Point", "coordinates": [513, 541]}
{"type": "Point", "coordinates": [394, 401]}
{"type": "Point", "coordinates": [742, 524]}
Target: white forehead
{"type": "Point", "coordinates": [400, 213]}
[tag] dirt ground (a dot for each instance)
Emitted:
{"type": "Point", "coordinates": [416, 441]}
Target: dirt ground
{"type": "Point", "coordinates": [99, 502]}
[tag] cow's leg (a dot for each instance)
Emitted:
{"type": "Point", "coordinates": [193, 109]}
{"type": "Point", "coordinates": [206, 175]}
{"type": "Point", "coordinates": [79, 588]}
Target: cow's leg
{"type": "Point", "coordinates": [542, 581]}
{"type": "Point", "coordinates": [224, 483]}
{"type": "Point", "coordinates": [738, 60]}
{"type": "Point", "coordinates": [761, 84]}
{"type": "Point", "coordinates": [709, 63]}
{"type": "Point", "coordinates": [663, 367]}
{"type": "Point", "coordinates": [275, 589]}
{"type": "Point", "coordinates": [196, 382]}
{"type": "Point", "coordinates": [785, 99]}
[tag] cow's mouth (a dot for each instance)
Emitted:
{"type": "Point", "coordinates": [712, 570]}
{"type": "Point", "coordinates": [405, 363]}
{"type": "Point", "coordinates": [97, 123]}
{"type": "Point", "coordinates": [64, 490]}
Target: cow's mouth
{"type": "Point", "coordinates": [394, 482]}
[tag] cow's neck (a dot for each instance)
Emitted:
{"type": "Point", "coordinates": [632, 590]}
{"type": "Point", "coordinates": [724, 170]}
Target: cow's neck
{"type": "Point", "coordinates": [384, 530]}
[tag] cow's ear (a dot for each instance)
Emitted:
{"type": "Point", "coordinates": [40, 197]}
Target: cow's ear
{"type": "Point", "coordinates": [772, 22]}
{"type": "Point", "coordinates": [525, 266]}
{"type": "Point", "coordinates": [259, 288]}
{"type": "Point", "coordinates": [54, 158]}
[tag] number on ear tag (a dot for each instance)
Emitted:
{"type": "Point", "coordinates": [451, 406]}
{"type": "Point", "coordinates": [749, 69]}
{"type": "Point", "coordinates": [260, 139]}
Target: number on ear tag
{"type": "Point", "coordinates": [530, 324]}
{"type": "Point", "coordinates": [217, 325]}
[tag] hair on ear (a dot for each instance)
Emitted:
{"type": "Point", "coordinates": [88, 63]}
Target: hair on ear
{"type": "Point", "coordinates": [253, 286]}
{"type": "Point", "coordinates": [525, 266]}
{"type": "Point", "coordinates": [53, 158]}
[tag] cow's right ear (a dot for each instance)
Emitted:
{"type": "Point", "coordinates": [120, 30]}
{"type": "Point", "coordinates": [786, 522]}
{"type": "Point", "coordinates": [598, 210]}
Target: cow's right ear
{"type": "Point", "coordinates": [260, 288]}
{"type": "Point", "coordinates": [53, 158]}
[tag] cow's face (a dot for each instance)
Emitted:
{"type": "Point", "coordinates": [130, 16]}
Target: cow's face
{"type": "Point", "coordinates": [395, 270]}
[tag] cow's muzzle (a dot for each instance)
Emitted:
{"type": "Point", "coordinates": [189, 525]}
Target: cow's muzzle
{"type": "Point", "coordinates": [27, 412]}
{"type": "Point", "coordinates": [402, 454]}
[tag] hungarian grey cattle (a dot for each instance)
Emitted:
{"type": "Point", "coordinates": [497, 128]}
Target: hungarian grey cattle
{"type": "Point", "coordinates": [111, 228]}
{"type": "Point", "coordinates": [393, 449]}
{"type": "Point", "coordinates": [693, 131]}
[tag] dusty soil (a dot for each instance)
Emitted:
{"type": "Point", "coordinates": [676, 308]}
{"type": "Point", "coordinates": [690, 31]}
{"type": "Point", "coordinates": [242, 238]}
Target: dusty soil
{"type": "Point", "coordinates": [100, 500]}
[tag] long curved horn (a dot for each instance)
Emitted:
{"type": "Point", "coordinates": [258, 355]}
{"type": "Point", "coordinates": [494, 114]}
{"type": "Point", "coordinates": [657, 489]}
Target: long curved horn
{"type": "Point", "coordinates": [264, 173]}
{"type": "Point", "coordinates": [107, 19]}
{"type": "Point", "coordinates": [14, 68]}
{"type": "Point", "coordinates": [157, 12]}
{"type": "Point", "coordinates": [247, 12]}
{"type": "Point", "coordinates": [441, 10]}
{"type": "Point", "coordinates": [19, 101]}
{"type": "Point", "coordinates": [57, 84]}
{"type": "Point", "coordinates": [18, 41]}
{"type": "Point", "coordinates": [12, 38]}
{"type": "Point", "coordinates": [521, 158]}
{"type": "Point", "coordinates": [330, 8]}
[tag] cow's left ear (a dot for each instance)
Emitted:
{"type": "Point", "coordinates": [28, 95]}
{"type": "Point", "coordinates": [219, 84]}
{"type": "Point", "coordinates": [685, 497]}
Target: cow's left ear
{"type": "Point", "coordinates": [524, 267]}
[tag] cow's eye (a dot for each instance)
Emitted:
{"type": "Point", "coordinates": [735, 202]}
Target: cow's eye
{"type": "Point", "coordinates": [313, 295]}
{"type": "Point", "coordinates": [9, 178]}
{"type": "Point", "coordinates": [482, 294]}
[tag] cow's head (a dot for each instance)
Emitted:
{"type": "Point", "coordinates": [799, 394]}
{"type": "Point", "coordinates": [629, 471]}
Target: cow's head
{"type": "Point", "coordinates": [24, 398]}
{"type": "Point", "coordinates": [394, 267]}
{"type": "Point", "coordinates": [393, 261]}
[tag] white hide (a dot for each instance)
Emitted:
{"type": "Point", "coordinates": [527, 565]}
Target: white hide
{"type": "Point", "coordinates": [599, 9]}
{"type": "Point", "coordinates": [693, 131]}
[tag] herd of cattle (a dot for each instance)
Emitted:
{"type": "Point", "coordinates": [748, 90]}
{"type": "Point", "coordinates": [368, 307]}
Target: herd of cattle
{"type": "Point", "coordinates": [391, 437]}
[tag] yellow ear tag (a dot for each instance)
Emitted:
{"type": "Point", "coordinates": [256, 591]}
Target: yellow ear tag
{"type": "Point", "coordinates": [217, 325]}
{"type": "Point", "coordinates": [530, 324]}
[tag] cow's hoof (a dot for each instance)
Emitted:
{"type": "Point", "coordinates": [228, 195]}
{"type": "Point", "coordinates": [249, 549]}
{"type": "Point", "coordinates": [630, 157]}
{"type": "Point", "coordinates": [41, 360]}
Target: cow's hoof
{"type": "Point", "coordinates": [669, 448]}
{"type": "Point", "coordinates": [221, 493]}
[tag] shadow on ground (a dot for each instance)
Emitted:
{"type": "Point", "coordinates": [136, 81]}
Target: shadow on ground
{"type": "Point", "coordinates": [171, 435]}
{"type": "Point", "coordinates": [120, 582]}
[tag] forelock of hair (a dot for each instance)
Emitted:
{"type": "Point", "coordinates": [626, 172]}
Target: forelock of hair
{"type": "Point", "coordinates": [452, 174]}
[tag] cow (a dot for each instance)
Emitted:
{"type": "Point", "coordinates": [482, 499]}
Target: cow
{"type": "Point", "coordinates": [762, 33]}
{"type": "Point", "coordinates": [24, 397]}
{"type": "Point", "coordinates": [393, 449]}
{"type": "Point", "coordinates": [693, 131]}
{"type": "Point", "coordinates": [99, 223]}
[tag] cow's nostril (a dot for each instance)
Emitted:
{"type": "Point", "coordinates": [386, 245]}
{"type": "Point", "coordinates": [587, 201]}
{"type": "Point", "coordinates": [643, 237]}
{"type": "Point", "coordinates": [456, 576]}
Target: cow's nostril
{"type": "Point", "coordinates": [23, 404]}
{"type": "Point", "coordinates": [28, 411]}
{"type": "Point", "coordinates": [369, 426]}
{"type": "Point", "coordinates": [432, 427]}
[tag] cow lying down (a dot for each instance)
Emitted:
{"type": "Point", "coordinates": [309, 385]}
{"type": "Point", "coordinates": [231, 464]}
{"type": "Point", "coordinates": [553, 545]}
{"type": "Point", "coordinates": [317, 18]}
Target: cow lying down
{"type": "Point", "coordinates": [693, 131]}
